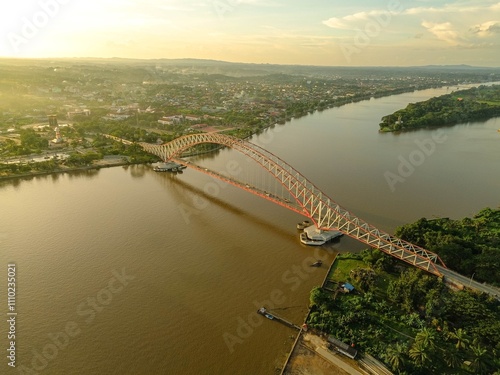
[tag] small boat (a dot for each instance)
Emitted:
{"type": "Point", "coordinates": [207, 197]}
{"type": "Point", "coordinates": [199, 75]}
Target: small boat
{"type": "Point", "coordinates": [317, 263]}
{"type": "Point", "coordinates": [263, 311]}
{"type": "Point", "coordinates": [303, 225]}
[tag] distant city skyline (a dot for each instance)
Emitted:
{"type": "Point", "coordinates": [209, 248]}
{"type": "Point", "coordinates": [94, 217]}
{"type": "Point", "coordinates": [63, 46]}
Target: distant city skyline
{"type": "Point", "coordinates": [318, 32]}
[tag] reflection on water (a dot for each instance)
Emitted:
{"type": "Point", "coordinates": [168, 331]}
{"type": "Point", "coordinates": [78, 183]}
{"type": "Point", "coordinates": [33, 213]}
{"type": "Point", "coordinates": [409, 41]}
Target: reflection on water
{"type": "Point", "coordinates": [201, 278]}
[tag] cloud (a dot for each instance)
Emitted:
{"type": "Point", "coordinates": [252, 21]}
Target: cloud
{"type": "Point", "coordinates": [451, 8]}
{"type": "Point", "coordinates": [421, 10]}
{"type": "Point", "coordinates": [252, 2]}
{"type": "Point", "coordinates": [496, 7]}
{"type": "Point", "coordinates": [351, 22]}
{"type": "Point", "coordinates": [486, 29]}
{"type": "Point", "coordinates": [444, 31]}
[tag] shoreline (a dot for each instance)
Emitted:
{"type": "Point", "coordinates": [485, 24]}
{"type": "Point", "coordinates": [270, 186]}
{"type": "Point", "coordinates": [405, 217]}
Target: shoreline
{"type": "Point", "coordinates": [299, 338]}
{"type": "Point", "coordinates": [309, 350]}
{"type": "Point", "coordinates": [60, 171]}
{"type": "Point", "coordinates": [256, 132]}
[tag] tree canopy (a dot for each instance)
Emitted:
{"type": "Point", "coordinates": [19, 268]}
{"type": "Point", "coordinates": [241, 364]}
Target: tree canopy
{"type": "Point", "coordinates": [470, 246]}
{"type": "Point", "coordinates": [478, 103]}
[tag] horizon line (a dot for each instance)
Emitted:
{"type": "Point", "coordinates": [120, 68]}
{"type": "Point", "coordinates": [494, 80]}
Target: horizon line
{"type": "Point", "coordinates": [247, 63]}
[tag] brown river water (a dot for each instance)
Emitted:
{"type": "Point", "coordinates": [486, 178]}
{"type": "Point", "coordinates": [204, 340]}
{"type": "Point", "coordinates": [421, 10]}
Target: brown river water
{"type": "Point", "coordinates": [128, 271]}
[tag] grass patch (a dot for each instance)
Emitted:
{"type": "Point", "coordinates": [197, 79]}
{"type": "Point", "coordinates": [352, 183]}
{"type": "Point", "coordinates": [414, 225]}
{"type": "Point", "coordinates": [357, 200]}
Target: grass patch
{"type": "Point", "coordinates": [490, 102]}
{"type": "Point", "coordinates": [342, 267]}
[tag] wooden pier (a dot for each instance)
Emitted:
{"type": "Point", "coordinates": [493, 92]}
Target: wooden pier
{"type": "Point", "coordinates": [272, 316]}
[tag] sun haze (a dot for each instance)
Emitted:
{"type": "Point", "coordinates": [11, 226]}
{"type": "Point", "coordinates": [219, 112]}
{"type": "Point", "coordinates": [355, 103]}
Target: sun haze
{"type": "Point", "coordinates": [317, 32]}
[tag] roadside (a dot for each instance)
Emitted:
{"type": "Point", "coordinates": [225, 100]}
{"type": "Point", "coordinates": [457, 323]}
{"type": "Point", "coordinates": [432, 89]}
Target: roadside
{"type": "Point", "coordinates": [310, 356]}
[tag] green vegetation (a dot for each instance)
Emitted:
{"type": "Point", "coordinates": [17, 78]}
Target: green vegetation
{"type": "Point", "coordinates": [470, 246]}
{"type": "Point", "coordinates": [409, 319]}
{"type": "Point", "coordinates": [474, 104]}
{"type": "Point", "coordinates": [156, 101]}
{"type": "Point", "coordinates": [340, 270]}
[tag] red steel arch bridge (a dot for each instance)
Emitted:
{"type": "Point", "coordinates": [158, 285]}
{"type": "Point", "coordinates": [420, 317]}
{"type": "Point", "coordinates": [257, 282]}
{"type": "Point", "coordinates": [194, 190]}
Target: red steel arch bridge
{"type": "Point", "coordinates": [307, 199]}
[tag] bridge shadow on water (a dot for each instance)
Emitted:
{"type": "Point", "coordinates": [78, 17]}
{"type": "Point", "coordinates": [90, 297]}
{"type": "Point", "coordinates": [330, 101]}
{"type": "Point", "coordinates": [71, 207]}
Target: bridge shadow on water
{"type": "Point", "coordinates": [174, 184]}
{"type": "Point", "coordinates": [169, 180]}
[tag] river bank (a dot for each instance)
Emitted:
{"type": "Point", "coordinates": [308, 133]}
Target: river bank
{"type": "Point", "coordinates": [308, 351]}
{"type": "Point", "coordinates": [103, 164]}
{"type": "Point", "coordinates": [157, 225]}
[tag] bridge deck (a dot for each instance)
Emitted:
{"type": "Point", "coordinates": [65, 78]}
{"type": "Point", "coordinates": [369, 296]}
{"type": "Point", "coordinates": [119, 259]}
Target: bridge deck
{"type": "Point", "coordinates": [309, 201]}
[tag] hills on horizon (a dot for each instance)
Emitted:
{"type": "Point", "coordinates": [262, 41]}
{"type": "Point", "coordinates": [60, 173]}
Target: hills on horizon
{"type": "Point", "coordinates": [212, 62]}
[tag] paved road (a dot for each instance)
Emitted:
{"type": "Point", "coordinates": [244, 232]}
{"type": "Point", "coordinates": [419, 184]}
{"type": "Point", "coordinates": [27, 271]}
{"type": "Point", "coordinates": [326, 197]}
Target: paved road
{"type": "Point", "coordinates": [467, 282]}
{"type": "Point", "coordinates": [373, 366]}
{"type": "Point", "coordinates": [334, 358]}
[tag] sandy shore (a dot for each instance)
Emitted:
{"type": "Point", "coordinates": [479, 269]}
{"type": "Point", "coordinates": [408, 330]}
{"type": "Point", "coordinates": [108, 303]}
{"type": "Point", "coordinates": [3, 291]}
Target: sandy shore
{"type": "Point", "coordinates": [304, 360]}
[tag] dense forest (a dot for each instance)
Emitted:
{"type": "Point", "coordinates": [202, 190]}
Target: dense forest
{"type": "Point", "coordinates": [479, 103]}
{"type": "Point", "coordinates": [470, 246]}
{"type": "Point", "coordinates": [410, 319]}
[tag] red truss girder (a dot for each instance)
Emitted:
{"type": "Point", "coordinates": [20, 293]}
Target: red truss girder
{"type": "Point", "coordinates": [309, 200]}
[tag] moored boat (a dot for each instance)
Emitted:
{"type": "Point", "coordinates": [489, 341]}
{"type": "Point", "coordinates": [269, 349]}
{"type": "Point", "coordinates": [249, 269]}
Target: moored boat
{"type": "Point", "coordinates": [303, 225]}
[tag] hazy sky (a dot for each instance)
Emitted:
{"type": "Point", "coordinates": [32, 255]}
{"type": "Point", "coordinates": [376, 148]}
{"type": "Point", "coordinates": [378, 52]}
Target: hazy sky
{"type": "Point", "coordinates": [314, 32]}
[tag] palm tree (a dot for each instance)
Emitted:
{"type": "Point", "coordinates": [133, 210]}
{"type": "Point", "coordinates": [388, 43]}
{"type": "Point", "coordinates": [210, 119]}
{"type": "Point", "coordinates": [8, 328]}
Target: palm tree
{"type": "Point", "coordinates": [452, 357]}
{"type": "Point", "coordinates": [418, 352]}
{"type": "Point", "coordinates": [427, 337]}
{"type": "Point", "coordinates": [461, 336]}
{"type": "Point", "coordinates": [480, 361]}
{"type": "Point", "coordinates": [395, 356]}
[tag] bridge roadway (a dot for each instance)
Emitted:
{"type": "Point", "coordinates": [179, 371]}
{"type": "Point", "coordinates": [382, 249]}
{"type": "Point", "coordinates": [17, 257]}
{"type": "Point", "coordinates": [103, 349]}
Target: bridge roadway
{"type": "Point", "coordinates": [311, 202]}
{"type": "Point", "coordinates": [315, 205]}
{"type": "Point", "coordinates": [462, 281]}
{"type": "Point", "coordinates": [451, 277]}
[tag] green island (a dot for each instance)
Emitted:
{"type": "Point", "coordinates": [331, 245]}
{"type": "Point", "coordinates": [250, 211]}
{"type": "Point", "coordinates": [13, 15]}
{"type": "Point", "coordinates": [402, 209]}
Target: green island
{"type": "Point", "coordinates": [411, 320]}
{"type": "Point", "coordinates": [475, 104]}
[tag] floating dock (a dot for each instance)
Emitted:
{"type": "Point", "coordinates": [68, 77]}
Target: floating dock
{"type": "Point", "coordinates": [314, 233]}
{"type": "Point", "coordinates": [168, 167]}
{"type": "Point", "coordinates": [272, 316]}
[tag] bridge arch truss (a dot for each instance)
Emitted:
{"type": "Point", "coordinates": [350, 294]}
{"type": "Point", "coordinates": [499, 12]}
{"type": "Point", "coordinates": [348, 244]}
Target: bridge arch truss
{"type": "Point", "coordinates": [309, 200]}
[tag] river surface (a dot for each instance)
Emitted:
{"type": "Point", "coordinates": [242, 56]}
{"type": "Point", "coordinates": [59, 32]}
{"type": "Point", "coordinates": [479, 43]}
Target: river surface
{"type": "Point", "coordinates": [128, 271]}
